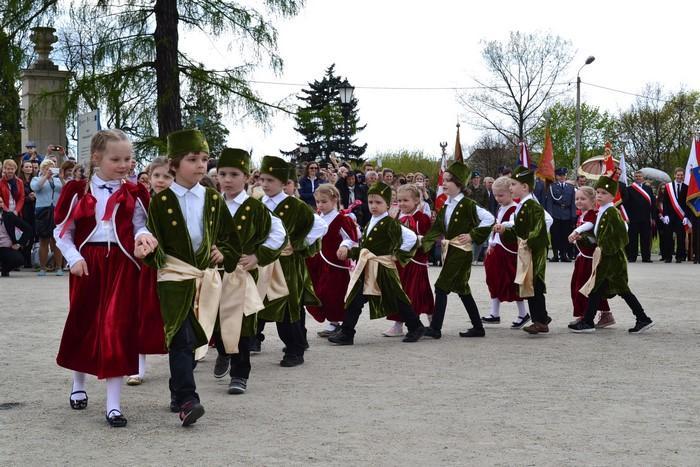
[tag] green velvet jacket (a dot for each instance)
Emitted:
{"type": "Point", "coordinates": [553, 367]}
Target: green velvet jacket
{"type": "Point", "coordinates": [530, 225]}
{"type": "Point", "coordinates": [612, 239]}
{"type": "Point", "coordinates": [457, 268]}
{"type": "Point", "coordinates": [298, 219]}
{"type": "Point", "coordinates": [167, 223]}
{"type": "Point", "coordinates": [384, 239]}
{"type": "Point", "coordinates": [252, 227]}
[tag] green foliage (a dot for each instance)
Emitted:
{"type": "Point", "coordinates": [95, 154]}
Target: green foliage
{"type": "Point", "coordinates": [407, 161]}
{"type": "Point", "coordinates": [320, 120]}
{"type": "Point", "coordinates": [597, 127]}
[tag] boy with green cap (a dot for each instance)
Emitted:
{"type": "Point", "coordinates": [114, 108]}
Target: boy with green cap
{"type": "Point", "coordinates": [304, 229]}
{"type": "Point", "coordinates": [375, 278]}
{"type": "Point", "coordinates": [460, 222]}
{"type": "Point", "coordinates": [261, 236]}
{"type": "Point", "coordinates": [530, 224]}
{"type": "Point", "coordinates": [609, 274]}
{"type": "Point", "coordinates": [192, 225]}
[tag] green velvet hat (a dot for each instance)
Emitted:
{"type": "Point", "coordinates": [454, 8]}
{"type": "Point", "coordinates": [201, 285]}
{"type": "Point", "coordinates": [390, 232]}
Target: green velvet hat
{"type": "Point", "coordinates": [293, 173]}
{"type": "Point", "coordinates": [381, 189]}
{"type": "Point", "coordinates": [608, 184]}
{"type": "Point", "coordinates": [524, 175]}
{"type": "Point", "coordinates": [183, 142]}
{"type": "Point", "coordinates": [234, 158]}
{"type": "Point", "coordinates": [460, 171]}
{"type": "Point", "coordinates": [276, 167]}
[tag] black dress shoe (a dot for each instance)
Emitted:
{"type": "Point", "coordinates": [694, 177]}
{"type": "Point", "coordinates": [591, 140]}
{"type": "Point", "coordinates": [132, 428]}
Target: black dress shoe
{"type": "Point", "coordinates": [554, 259]}
{"type": "Point", "coordinates": [255, 345]}
{"type": "Point", "coordinates": [668, 261]}
{"type": "Point", "coordinates": [290, 361]}
{"type": "Point", "coordinates": [115, 419]}
{"type": "Point", "coordinates": [491, 319]}
{"type": "Point", "coordinates": [647, 261]}
{"type": "Point", "coordinates": [415, 335]}
{"type": "Point", "coordinates": [431, 332]}
{"type": "Point", "coordinates": [340, 338]}
{"type": "Point", "coordinates": [473, 332]}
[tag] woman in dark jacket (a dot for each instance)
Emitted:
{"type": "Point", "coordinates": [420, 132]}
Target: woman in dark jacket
{"type": "Point", "coordinates": [26, 174]}
{"type": "Point", "coordinates": [309, 183]}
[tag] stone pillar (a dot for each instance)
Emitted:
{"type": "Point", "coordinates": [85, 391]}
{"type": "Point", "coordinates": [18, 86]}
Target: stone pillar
{"type": "Point", "coordinates": [44, 94]}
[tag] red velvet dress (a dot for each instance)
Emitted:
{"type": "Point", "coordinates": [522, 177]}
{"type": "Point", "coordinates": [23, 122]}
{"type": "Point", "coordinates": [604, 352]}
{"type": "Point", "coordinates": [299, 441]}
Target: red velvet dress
{"type": "Point", "coordinates": [582, 270]}
{"type": "Point", "coordinates": [100, 336]}
{"type": "Point", "coordinates": [501, 263]}
{"type": "Point", "coordinates": [151, 329]}
{"type": "Point", "coordinates": [414, 276]}
{"type": "Point", "coordinates": [329, 275]}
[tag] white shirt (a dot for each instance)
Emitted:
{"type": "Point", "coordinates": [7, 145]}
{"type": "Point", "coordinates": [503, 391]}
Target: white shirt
{"type": "Point", "coordinates": [319, 228]}
{"type": "Point", "coordinates": [584, 227]}
{"type": "Point", "coordinates": [601, 211]}
{"type": "Point", "coordinates": [408, 237]}
{"type": "Point", "coordinates": [495, 238]}
{"type": "Point", "coordinates": [104, 230]}
{"type": "Point", "coordinates": [486, 219]}
{"type": "Point", "coordinates": [548, 220]}
{"type": "Point", "coordinates": [191, 203]}
{"type": "Point", "coordinates": [276, 237]}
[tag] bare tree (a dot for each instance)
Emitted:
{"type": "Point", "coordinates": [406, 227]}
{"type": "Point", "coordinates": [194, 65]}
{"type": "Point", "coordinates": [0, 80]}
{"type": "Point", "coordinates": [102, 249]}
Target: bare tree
{"type": "Point", "coordinates": [490, 153]}
{"type": "Point", "coordinates": [523, 79]}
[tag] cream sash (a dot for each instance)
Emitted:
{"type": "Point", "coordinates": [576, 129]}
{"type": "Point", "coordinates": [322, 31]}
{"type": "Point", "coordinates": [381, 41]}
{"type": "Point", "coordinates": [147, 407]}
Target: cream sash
{"type": "Point", "coordinates": [239, 298]}
{"type": "Point", "coordinates": [370, 262]}
{"type": "Point", "coordinates": [207, 295]}
{"type": "Point", "coordinates": [271, 281]}
{"type": "Point", "coordinates": [446, 244]}
{"type": "Point", "coordinates": [587, 288]}
{"type": "Point", "coordinates": [525, 272]}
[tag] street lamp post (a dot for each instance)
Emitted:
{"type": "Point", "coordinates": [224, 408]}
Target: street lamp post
{"type": "Point", "coordinates": [345, 90]}
{"type": "Point", "coordinates": [577, 163]}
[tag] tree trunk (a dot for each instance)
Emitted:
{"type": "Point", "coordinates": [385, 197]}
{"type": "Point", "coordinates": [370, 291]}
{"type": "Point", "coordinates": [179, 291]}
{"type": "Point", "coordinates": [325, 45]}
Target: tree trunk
{"type": "Point", "coordinates": [167, 71]}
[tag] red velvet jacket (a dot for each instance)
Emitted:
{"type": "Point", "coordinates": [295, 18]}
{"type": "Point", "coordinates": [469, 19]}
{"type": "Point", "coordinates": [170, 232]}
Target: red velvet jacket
{"type": "Point", "coordinates": [5, 194]}
{"type": "Point", "coordinates": [75, 206]}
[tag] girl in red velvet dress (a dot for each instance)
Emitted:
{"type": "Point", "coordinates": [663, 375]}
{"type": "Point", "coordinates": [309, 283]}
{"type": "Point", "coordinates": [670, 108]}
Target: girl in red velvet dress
{"type": "Point", "coordinates": [501, 260]}
{"type": "Point", "coordinates": [585, 243]}
{"type": "Point", "coordinates": [329, 275]}
{"type": "Point", "coordinates": [414, 276]}
{"type": "Point", "coordinates": [151, 331]}
{"type": "Point", "coordinates": [100, 221]}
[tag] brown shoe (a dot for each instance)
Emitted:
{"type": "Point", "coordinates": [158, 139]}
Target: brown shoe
{"type": "Point", "coordinates": [536, 328]}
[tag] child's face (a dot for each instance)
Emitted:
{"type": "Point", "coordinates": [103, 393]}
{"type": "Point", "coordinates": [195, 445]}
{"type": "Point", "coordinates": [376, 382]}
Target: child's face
{"type": "Point", "coordinates": [407, 203]}
{"type": "Point", "coordinates": [503, 197]}
{"type": "Point", "coordinates": [231, 180]}
{"type": "Point", "coordinates": [325, 203]}
{"type": "Point", "coordinates": [193, 167]}
{"type": "Point", "coordinates": [603, 197]}
{"type": "Point", "coordinates": [377, 205]}
{"type": "Point", "coordinates": [115, 161]}
{"type": "Point", "coordinates": [271, 186]}
{"type": "Point", "coordinates": [450, 187]}
{"type": "Point", "coordinates": [161, 178]}
{"type": "Point", "coordinates": [145, 181]}
{"type": "Point", "coordinates": [519, 190]}
{"type": "Point", "coordinates": [290, 188]}
{"type": "Point", "coordinates": [583, 202]}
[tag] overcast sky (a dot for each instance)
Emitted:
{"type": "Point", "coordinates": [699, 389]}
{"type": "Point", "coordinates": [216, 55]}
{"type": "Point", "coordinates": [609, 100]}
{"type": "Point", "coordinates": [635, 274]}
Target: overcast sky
{"type": "Point", "coordinates": [436, 43]}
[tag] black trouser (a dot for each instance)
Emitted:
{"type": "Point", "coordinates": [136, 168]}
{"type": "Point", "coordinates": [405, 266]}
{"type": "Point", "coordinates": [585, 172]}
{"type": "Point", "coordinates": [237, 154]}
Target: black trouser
{"type": "Point", "coordinates": [597, 295]}
{"type": "Point", "coordinates": [696, 239]}
{"type": "Point", "coordinates": [639, 235]}
{"type": "Point", "coordinates": [441, 306]}
{"type": "Point", "coordinates": [181, 357]}
{"type": "Point", "coordinates": [537, 304]}
{"type": "Point", "coordinates": [352, 315]}
{"type": "Point", "coordinates": [240, 362]}
{"type": "Point", "coordinates": [293, 334]}
{"type": "Point", "coordinates": [678, 229]}
{"type": "Point", "coordinates": [10, 259]}
{"type": "Point", "coordinates": [561, 229]}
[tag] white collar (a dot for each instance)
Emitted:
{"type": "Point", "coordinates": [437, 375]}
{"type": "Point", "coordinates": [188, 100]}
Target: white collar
{"type": "Point", "coordinates": [197, 190]}
{"type": "Point", "coordinates": [456, 199]}
{"type": "Point", "coordinates": [402, 215]}
{"type": "Point", "coordinates": [277, 199]}
{"type": "Point", "coordinates": [239, 199]}
{"type": "Point", "coordinates": [99, 182]}
{"type": "Point", "coordinates": [329, 216]}
{"type": "Point", "coordinates": [522, 201]}
{"type": "Point", "coordinates": [380, 217]}
{"type": "Point", "coordinates": [602, 209]}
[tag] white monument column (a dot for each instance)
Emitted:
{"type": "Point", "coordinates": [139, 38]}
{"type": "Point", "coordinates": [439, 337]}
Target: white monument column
{"type": "Point", "coordinates": [44, 94]}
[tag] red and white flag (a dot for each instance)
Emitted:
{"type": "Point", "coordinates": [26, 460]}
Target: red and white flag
{"type": "Point", "coordinates": [523, 155]}
{"type": "Point", "coordinates": [692, 160]}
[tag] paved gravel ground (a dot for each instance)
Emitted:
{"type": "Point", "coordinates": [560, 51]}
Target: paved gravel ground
{"type": "Point", "coordinates": [508, 399]}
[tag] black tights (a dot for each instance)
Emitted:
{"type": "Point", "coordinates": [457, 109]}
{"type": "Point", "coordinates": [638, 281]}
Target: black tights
{"type": "Point", "coordinates": [441, 306]}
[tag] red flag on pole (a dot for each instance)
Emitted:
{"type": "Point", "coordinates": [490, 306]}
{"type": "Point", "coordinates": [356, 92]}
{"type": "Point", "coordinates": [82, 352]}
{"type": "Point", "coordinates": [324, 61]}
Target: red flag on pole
{"type": "Point", "coordinates": [545, 170]}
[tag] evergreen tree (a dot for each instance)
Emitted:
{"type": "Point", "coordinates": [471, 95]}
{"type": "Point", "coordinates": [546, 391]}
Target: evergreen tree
{"type": "Point", "coordinates": [320, 120]}
{"type": "Point", "coordinates": [202, 111]}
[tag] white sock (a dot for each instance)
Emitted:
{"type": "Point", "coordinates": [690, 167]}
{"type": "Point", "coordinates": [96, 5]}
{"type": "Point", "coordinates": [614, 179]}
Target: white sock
{"type": "Point", "coordinates": [330, 326]}
{"type": "Point", "coordinates": [522, 311]}
{"type": "Point", "coordinates": [495, 308]}
{"type": "Point", "coordinates": [142, 365]}
{"type": "Point", "coordinates": [78, 385]}
{"type": "Point", "coordinates": [114, 392]}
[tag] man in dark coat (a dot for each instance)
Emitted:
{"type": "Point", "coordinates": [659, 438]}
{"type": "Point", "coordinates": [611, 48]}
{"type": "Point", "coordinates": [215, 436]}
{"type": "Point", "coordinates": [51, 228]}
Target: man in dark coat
{"type": "Point", "coordinates": [559, 202]}
{"type": "Point", "coordinates": [640, 204]}
{"type": "Point", "coordinates": [675, 216]}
